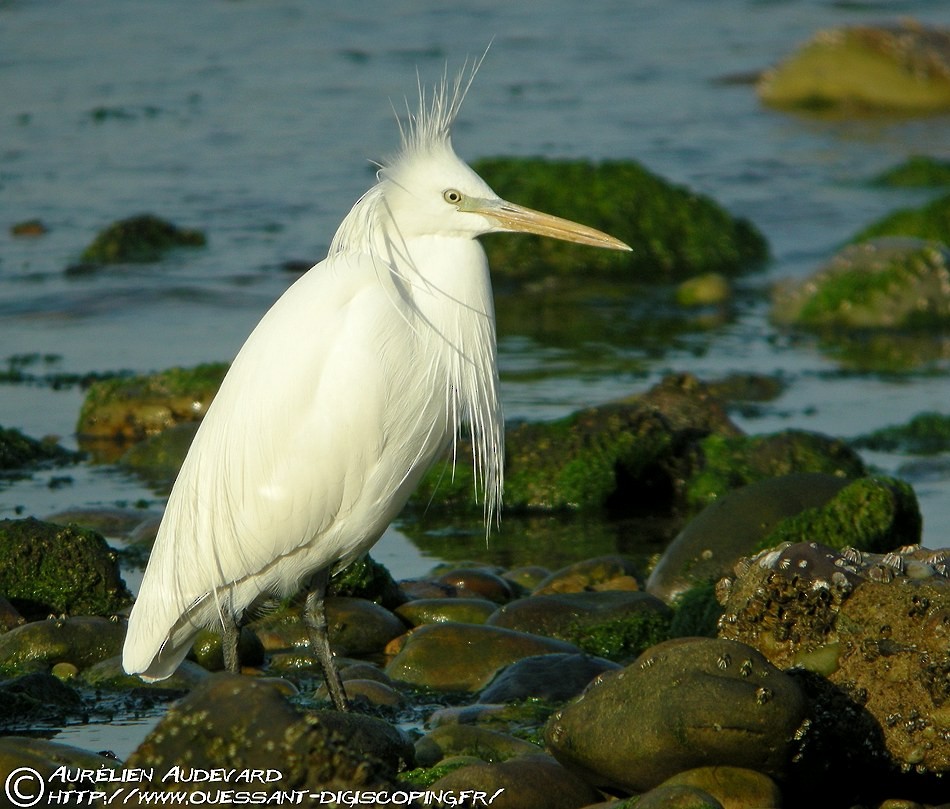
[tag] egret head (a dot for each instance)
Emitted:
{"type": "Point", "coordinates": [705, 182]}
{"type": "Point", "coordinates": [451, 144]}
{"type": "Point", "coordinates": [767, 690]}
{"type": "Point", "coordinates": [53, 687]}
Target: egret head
{"type": "Point", "coordinates": [429, 190]}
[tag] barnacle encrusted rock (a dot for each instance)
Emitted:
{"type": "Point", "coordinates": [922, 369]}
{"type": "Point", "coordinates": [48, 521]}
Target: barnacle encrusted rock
{"type": "Point", "coordinates": [876, 625]}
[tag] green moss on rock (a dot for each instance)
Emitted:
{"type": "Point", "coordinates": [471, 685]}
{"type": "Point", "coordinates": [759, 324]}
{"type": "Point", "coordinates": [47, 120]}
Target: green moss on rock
{"type": "Point", "coordinates": [19, 451]}
{"type": "Point", "coordinates": [674, 232]}
{"type": "Point", "coordinates": [733, 461]}
{"type": "Point", "coordinates": [878, 284]}
{"type": "Point", "coordinates": [47, 568]}
{"type": "Point", "coordinates": [930, 222]}
{"type": "Point", "coordinates": [924, 434]}
{"type": "Point", "coordinates": [132, 408]}
{"type": "Point", "coordinates": [139, 239]}
{"type": "Point", "coordinates": [874, 514]}
{"type": "Point", "coordinates": [918, 171]}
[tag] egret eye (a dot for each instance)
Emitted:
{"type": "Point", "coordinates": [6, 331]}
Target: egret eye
{"type": "Point", "coordinates": [451, 196]}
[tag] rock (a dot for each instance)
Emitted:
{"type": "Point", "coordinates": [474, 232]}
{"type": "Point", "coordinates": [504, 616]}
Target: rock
{"type": "Point", "coordinates": [902, 68]}
{"type": "Point", "coordinates": [925, 434]}
{"type": "Point", "coordinates": [370, 737]}
{"type": "Point", "coordinates": [371, 692]}
{"type": "Point", "coordinates": [29, 228]}
{"type": "Point", "coordinates": [110, 522]}
{"type": "Point", "coordinates": [464, 657]}
{"type": "Point", "coordinates": [109, 675]}
{"type": "Point", "coordinates": [19, 452]}
{"type": "Point", "coordinates": [616, 624]}
{"type": "Point", "coordinates": [231, 721]}
{"type": "Point", "coordinates": [366, 578]}
{"type": "Point", "coordinates": [733, 787]}
{"type": "Point", "coordinates": [478, 582]}
{"type": "Point", "coordinates": [45, 757]}
{"type": "Point", "coordinates": [37, 699]}
{"type": "Point", "coordinates": [444, 610]}
{"type": "Point", "coordinates": [733, 526]}
{"type": "Point", "coordinates": [357, 627]}
{"type": "Point", "coordinates": [685, 703]}
{"type": "Point", "coordinates": [47, 568]}
{"type": "Point", "coordinates": [143, 238]}
{"type": "Point", "coordinates": [674, 232]}
{"type": "Point", "coordinates": [918, 171]}
{"type": "Point", "coordinates": [870, 514]}
{"type": "Point", "coordinates": [449, 740]}
{"type": "Point", "coordinates": [879, 283]}
{"type": "Point", "coordinates": [629, 456]}
{"type": "Point", "coordinates": [10, 616]}
{"type": "Point", "coordinates": [208, 652]}
{"type": "Point", "coordinates": [157, 459]}
{"type": "Point", "coordinates": [130, 409]}
{"type": "Point", "coordinates": [728, 462]}
{"type": "Point", "coordinates": [612, 572]}
{"type": "Point", "coordinates": [876, 625]}
{"type": "Point", "coordinates": [536, 780]}
{"type": "Point", "coordinates": [676, 796]}
{"type": "Point", "coordinates": [527, 576]}
{"type": "Point", "coordinates": [39, 645]}
{"type": "Point", "coordinates": [708, 289]}
{"type": "Point", "coordinates": [551, 678]}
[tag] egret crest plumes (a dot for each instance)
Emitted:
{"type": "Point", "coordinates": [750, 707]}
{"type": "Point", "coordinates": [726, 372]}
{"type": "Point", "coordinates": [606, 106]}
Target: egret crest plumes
{"type": "Point", "coordinates": [352, 385]}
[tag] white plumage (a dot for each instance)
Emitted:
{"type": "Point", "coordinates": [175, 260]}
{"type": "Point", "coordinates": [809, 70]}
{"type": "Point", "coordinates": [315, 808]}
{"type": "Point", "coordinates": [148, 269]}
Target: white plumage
{"type": "Point", "coordinates": [349, 388]}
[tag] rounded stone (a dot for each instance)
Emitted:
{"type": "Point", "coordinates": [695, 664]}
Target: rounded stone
{"type": "Point", "coordinates": [464, 657]}
{"type": "Point", "coordinates": [478, 582]}
{"type": "Point", "coordinates": [553, 678]}
{"type": "Point", "coordinates": [39, 645]}
{"type": "Point", "coordinates": [733, 787]}
{"type": "Point", "coordinates": [445, 610]}
{"type": "Point", "coordinates": [685, 703]}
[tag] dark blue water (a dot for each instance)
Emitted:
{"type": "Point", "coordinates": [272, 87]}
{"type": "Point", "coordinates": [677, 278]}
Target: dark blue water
{"type": "Point", "coordinates": [257, 122]}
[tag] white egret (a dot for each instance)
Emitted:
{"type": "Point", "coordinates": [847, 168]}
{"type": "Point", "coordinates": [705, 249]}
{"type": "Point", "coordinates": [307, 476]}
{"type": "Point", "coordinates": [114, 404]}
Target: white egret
{"type": "Point", "coordinates": [349, 388]}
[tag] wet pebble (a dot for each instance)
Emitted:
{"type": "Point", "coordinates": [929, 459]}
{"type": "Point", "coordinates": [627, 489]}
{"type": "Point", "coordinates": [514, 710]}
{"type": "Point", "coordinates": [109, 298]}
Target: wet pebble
{"type": "Point", "coordinates": [552, 677]}
{"type": "Point", "coordinates": [478, 583]}
{"type": "Point", "coordinates": [677, 796]}
{"type": "Point", "coordinates": [464, 657]}
{"type": "Point", "coordinates": [38, 645]}
{"type": "Point", "coordinates": [443, 610]}
{"type": "Point", "coordinates": [733, 787]}
{"type": "Point", "coordinates": [611, 572]}
{"type": "Point", "coordinates": [453, 739]}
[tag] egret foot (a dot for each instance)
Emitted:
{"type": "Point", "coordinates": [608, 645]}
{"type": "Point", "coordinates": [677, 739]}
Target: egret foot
{"type": "Point", "coordinates": [315, 619]}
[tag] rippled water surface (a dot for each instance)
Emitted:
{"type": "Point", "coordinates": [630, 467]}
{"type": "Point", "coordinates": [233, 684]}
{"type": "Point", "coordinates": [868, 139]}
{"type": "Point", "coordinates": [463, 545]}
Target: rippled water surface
{"type": "Point", "coordinates": [257, 121]}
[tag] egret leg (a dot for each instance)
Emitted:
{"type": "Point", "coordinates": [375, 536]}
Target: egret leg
{"type": "Point", "coordinates": [229, 643]}
{"type": "Point", "coordinates": [315, 619]}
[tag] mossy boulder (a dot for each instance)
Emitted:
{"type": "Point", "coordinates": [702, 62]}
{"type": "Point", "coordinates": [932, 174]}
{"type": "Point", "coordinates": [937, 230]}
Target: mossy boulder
{"type": "Point", "coordinates": [20, 452]}
{"type": "Point", "coordinates": [139, 239]}
{"type": "Point", "coordinates": [729, 462]}
{"type": "Point", "coordinates": [930, 222]}
{"type": "Point", "coordinates": [47, 568]}
{"type": "Point", "coordinates": [613, 624]}
{"type": "Point", "coordinates": [132, 408]}
{"type": "Point", "coordinates": [902, 68]}
{"type": "Point", "coordinates": [733, 526]}
{"type": "Point", "coordinates": [628, 456]}
{"type": "Point", "coordinates": [674, 232]}
{"type": "Point", "coordinates": [871, 514]}
{"type": "Point", "coordinates": [40, 645]}
{"type": "Point", "coordinates": [918, 171]}
{"type": "Point", "coordinates": [925, 434]}
{"type": "Point", "coordinates": [878, 284]}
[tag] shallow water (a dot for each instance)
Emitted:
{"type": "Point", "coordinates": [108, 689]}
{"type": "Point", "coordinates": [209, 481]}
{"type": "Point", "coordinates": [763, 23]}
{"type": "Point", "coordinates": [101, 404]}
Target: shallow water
{"type": "Point", "coordinates": [256, 122]}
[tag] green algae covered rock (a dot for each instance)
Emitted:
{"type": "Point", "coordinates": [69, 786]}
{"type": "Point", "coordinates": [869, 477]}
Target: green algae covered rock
{"type": "Point", "coordinates": [930, 222]}
{"type": "Point", "coordinates": [132, 408]}
{"type": "Point", "coordinates": [47, 568]}
{"type": "Point", "coordinates": [139, 239]}
{"type": "Point", "coordinates": [901, 68]}
{"type": "Point", "coordinates": [674, 232]}
{"type": "Point", "coordinates": [20, 452]}
{"type": "Point", "coordinates": [878, 284]}
{"type": "Point", "coordinates": [627, 455]}
{"type": "Point", "coordinates": [871, 514]}
{"type": "Point", "coordinates": [40, 645]}
{"type": "Point", "coordinates": [733, 461]}
{"type": "Point", "coordinates": [924, 434]}
{"type": "Point", "coordinates": [918, 171]}
{"type": "Point", "coordinates": [733, 526]}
